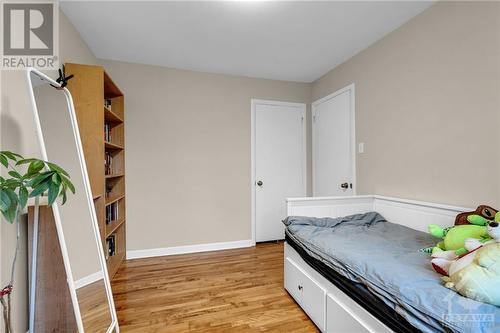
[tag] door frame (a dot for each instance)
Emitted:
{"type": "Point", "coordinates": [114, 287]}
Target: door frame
{"type": "Point", "coordinates": [254, 103]}
{"type": "Point", "coordinates": [352, 117]}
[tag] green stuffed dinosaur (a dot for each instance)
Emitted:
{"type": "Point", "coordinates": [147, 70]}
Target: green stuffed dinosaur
{"type": "Point", "coordinates": [454, 237]}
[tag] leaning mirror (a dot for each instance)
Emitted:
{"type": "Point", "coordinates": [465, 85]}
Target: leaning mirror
{"type": "Point", "coordinates": [76, 220]}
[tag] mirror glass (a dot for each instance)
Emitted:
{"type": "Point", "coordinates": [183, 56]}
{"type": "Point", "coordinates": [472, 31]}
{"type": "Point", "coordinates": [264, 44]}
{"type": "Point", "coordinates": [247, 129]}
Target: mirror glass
{"type": "Point", "coordinates": [77, 215]}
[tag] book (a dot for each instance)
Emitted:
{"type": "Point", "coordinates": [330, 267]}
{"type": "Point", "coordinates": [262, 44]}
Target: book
{"type": "Point", "coordinates": [107, 103]}
{"type": "Point", "coordinates": [112, 212]}
{"type": "Point", "coordinates": [108, 163]}
{"type": "Point", "coordinates": [107, 132]}
{"type": "Point", "coordinates": [111, 245]}
{"type": "Point", "coordinates": [109, 188]}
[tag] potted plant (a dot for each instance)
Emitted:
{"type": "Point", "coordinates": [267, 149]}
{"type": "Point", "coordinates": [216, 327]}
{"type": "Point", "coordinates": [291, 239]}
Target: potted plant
{"type": "Point", "coordinates": [28, 178]}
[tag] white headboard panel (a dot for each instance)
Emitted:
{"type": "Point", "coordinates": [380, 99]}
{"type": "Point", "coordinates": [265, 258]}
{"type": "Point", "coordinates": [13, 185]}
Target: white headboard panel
{"type": "Point", "coordinates": [413, 214]}
{"type": "Point", "coordinates": [329, 206]}
{"type": "Point", "coordinates": [416, 214]}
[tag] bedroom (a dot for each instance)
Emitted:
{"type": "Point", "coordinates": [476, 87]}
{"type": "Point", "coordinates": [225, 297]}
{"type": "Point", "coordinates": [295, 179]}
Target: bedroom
{"type": "Point", "coordinates": [211, 104]}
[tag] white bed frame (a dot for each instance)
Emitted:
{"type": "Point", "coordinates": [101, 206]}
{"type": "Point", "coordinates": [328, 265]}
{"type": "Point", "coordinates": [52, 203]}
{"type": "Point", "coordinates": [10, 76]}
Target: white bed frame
{"type": "Point", "coordinates": [328, 307]}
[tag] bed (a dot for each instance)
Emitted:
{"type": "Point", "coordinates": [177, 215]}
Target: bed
{"type": "Point", "coordinates": [365, 273]}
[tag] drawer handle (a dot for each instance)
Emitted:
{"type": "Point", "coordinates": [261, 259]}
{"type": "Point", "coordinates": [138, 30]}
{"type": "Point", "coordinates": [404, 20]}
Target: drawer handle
{"type": "Point", "coordinates": [300, 287]}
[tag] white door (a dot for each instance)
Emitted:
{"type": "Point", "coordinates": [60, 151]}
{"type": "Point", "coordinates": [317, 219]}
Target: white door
{"type": "Point", "coordinates": [333, 144]}
{"type": "Point", "coordinates": [279, 163]}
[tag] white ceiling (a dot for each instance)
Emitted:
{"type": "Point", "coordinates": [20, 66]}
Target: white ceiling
{"type": "Point", "coordinates": [294, 41]}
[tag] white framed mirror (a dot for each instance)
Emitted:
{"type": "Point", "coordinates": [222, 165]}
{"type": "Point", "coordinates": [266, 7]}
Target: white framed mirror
{"type": "Point", "coordinates": [76, 220]}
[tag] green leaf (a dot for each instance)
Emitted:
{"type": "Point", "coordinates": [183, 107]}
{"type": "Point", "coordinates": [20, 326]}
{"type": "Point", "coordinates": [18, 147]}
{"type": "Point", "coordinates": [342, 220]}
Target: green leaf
{"type": "Point", "coordinates": [4, 200]}
{"type": "Point", "coordinates": [55, 167]}
{"type": "Point", "coordinates": [26, 161]}
{"type": "Point", "coordinates": [23, 196]}
{"type": "Point", "coordinates": [10, 155]}
{"type": "Point", "coordinates": [11, 212]}
{"type": "Point", "coordinates": [35, 166]}
{"type": "Point", "coordinates": [4, 161]}
{"type": "Point", "coordinates": [39, 189]}
{"type": "Point", "coordinates": [53, 192]}
{"type": "Point", "coordinates": [11, 183]}
{"type": "Point", "coordinates": [56, 179]}
{"type": "Point", "coordinates": [15, 174]}
{"type": "Point", "coordinates": [6, 215]}
{"type": "Point", "coordinates": [63, 196]}
{"type": "Point", "coordinates": [15, 190]}
{"type": "Point", "coordinates": [69, 185]}
{"type": "Point", "coordinates": [12, 196]}
{"type": "Point", "coordinates": [40, 178]}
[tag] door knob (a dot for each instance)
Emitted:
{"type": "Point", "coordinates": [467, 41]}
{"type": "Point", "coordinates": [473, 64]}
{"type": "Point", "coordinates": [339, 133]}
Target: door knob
{"type": "Point", "coordinates": [260, 183]}
{"type": "Point", "coordinates": [345, 186]}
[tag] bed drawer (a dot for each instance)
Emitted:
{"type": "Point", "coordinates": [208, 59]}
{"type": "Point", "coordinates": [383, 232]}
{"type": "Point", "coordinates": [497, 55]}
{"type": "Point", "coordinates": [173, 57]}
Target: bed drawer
{"type": "Point", "coordinates": [339, 320]}
{"type": "Point", "coordinates": [310, 295]}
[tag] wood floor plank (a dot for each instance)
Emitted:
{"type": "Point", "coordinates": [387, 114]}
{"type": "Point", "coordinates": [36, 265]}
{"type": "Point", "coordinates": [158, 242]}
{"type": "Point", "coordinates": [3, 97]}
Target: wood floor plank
{"type": "Point", "coordinates": [222, 291]}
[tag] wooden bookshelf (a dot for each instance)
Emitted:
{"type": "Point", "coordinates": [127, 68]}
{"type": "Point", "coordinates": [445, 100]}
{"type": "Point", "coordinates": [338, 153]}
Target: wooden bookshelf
{"type": "Point", "coordinates": [113, 226]}
{"type": "Point", "coordinates": [111, 117]}
{"type": "Point", "coordinates": [112, 146]}
{"type": "Point", "coordinates": [90, 87]}
{"type": "Point", "coordinates": [114, 175]}
{"type": "Point", "coordinates": [113, 199]}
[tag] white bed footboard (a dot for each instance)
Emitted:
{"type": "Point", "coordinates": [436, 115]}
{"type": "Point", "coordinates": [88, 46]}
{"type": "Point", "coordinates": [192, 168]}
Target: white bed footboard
{"type": "Point", "coordinates": [327, 306]}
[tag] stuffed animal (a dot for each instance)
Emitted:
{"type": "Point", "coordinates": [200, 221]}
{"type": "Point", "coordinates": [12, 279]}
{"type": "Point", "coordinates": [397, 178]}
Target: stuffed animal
{"type": "Point", "coordinates": [443, 260]}
{"type": "Point", "coordinates": [484, 211]}
{"type": "Point", "coordinates": [476, 275]}
{"type": "Point", "coordinates": [454, 237]}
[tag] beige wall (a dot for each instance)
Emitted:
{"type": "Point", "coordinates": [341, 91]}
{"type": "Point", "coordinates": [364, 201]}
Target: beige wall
{"type": "Point", "coordinates": [427, 106]}
{"type": "Point", "coordinates": [17, 133]}
{"type": "Point", "coordinates": [188, 152]}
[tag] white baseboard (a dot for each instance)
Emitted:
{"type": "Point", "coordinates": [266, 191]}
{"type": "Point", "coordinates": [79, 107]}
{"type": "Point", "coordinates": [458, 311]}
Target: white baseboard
{"type": "Point", "coordinates": [167, 251]}
{"type": "Point", "coordinates": [86, 280]}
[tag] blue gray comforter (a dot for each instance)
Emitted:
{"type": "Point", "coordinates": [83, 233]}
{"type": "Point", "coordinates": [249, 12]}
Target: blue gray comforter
{"type": "Point", "coordinates": [385, 258]}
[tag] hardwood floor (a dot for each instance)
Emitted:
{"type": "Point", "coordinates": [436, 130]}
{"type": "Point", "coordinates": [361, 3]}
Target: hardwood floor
{"type": "Point", "coordinates": [225, 291]}
{"type": "Point", "coordinates": [94, 307]}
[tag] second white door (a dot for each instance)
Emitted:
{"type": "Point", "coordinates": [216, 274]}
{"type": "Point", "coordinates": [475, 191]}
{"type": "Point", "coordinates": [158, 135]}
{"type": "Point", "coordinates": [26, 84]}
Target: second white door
{"type": "Point", "coordinates": [279, 169]}
{"type": "Point", "coordinates": [333, 144]}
